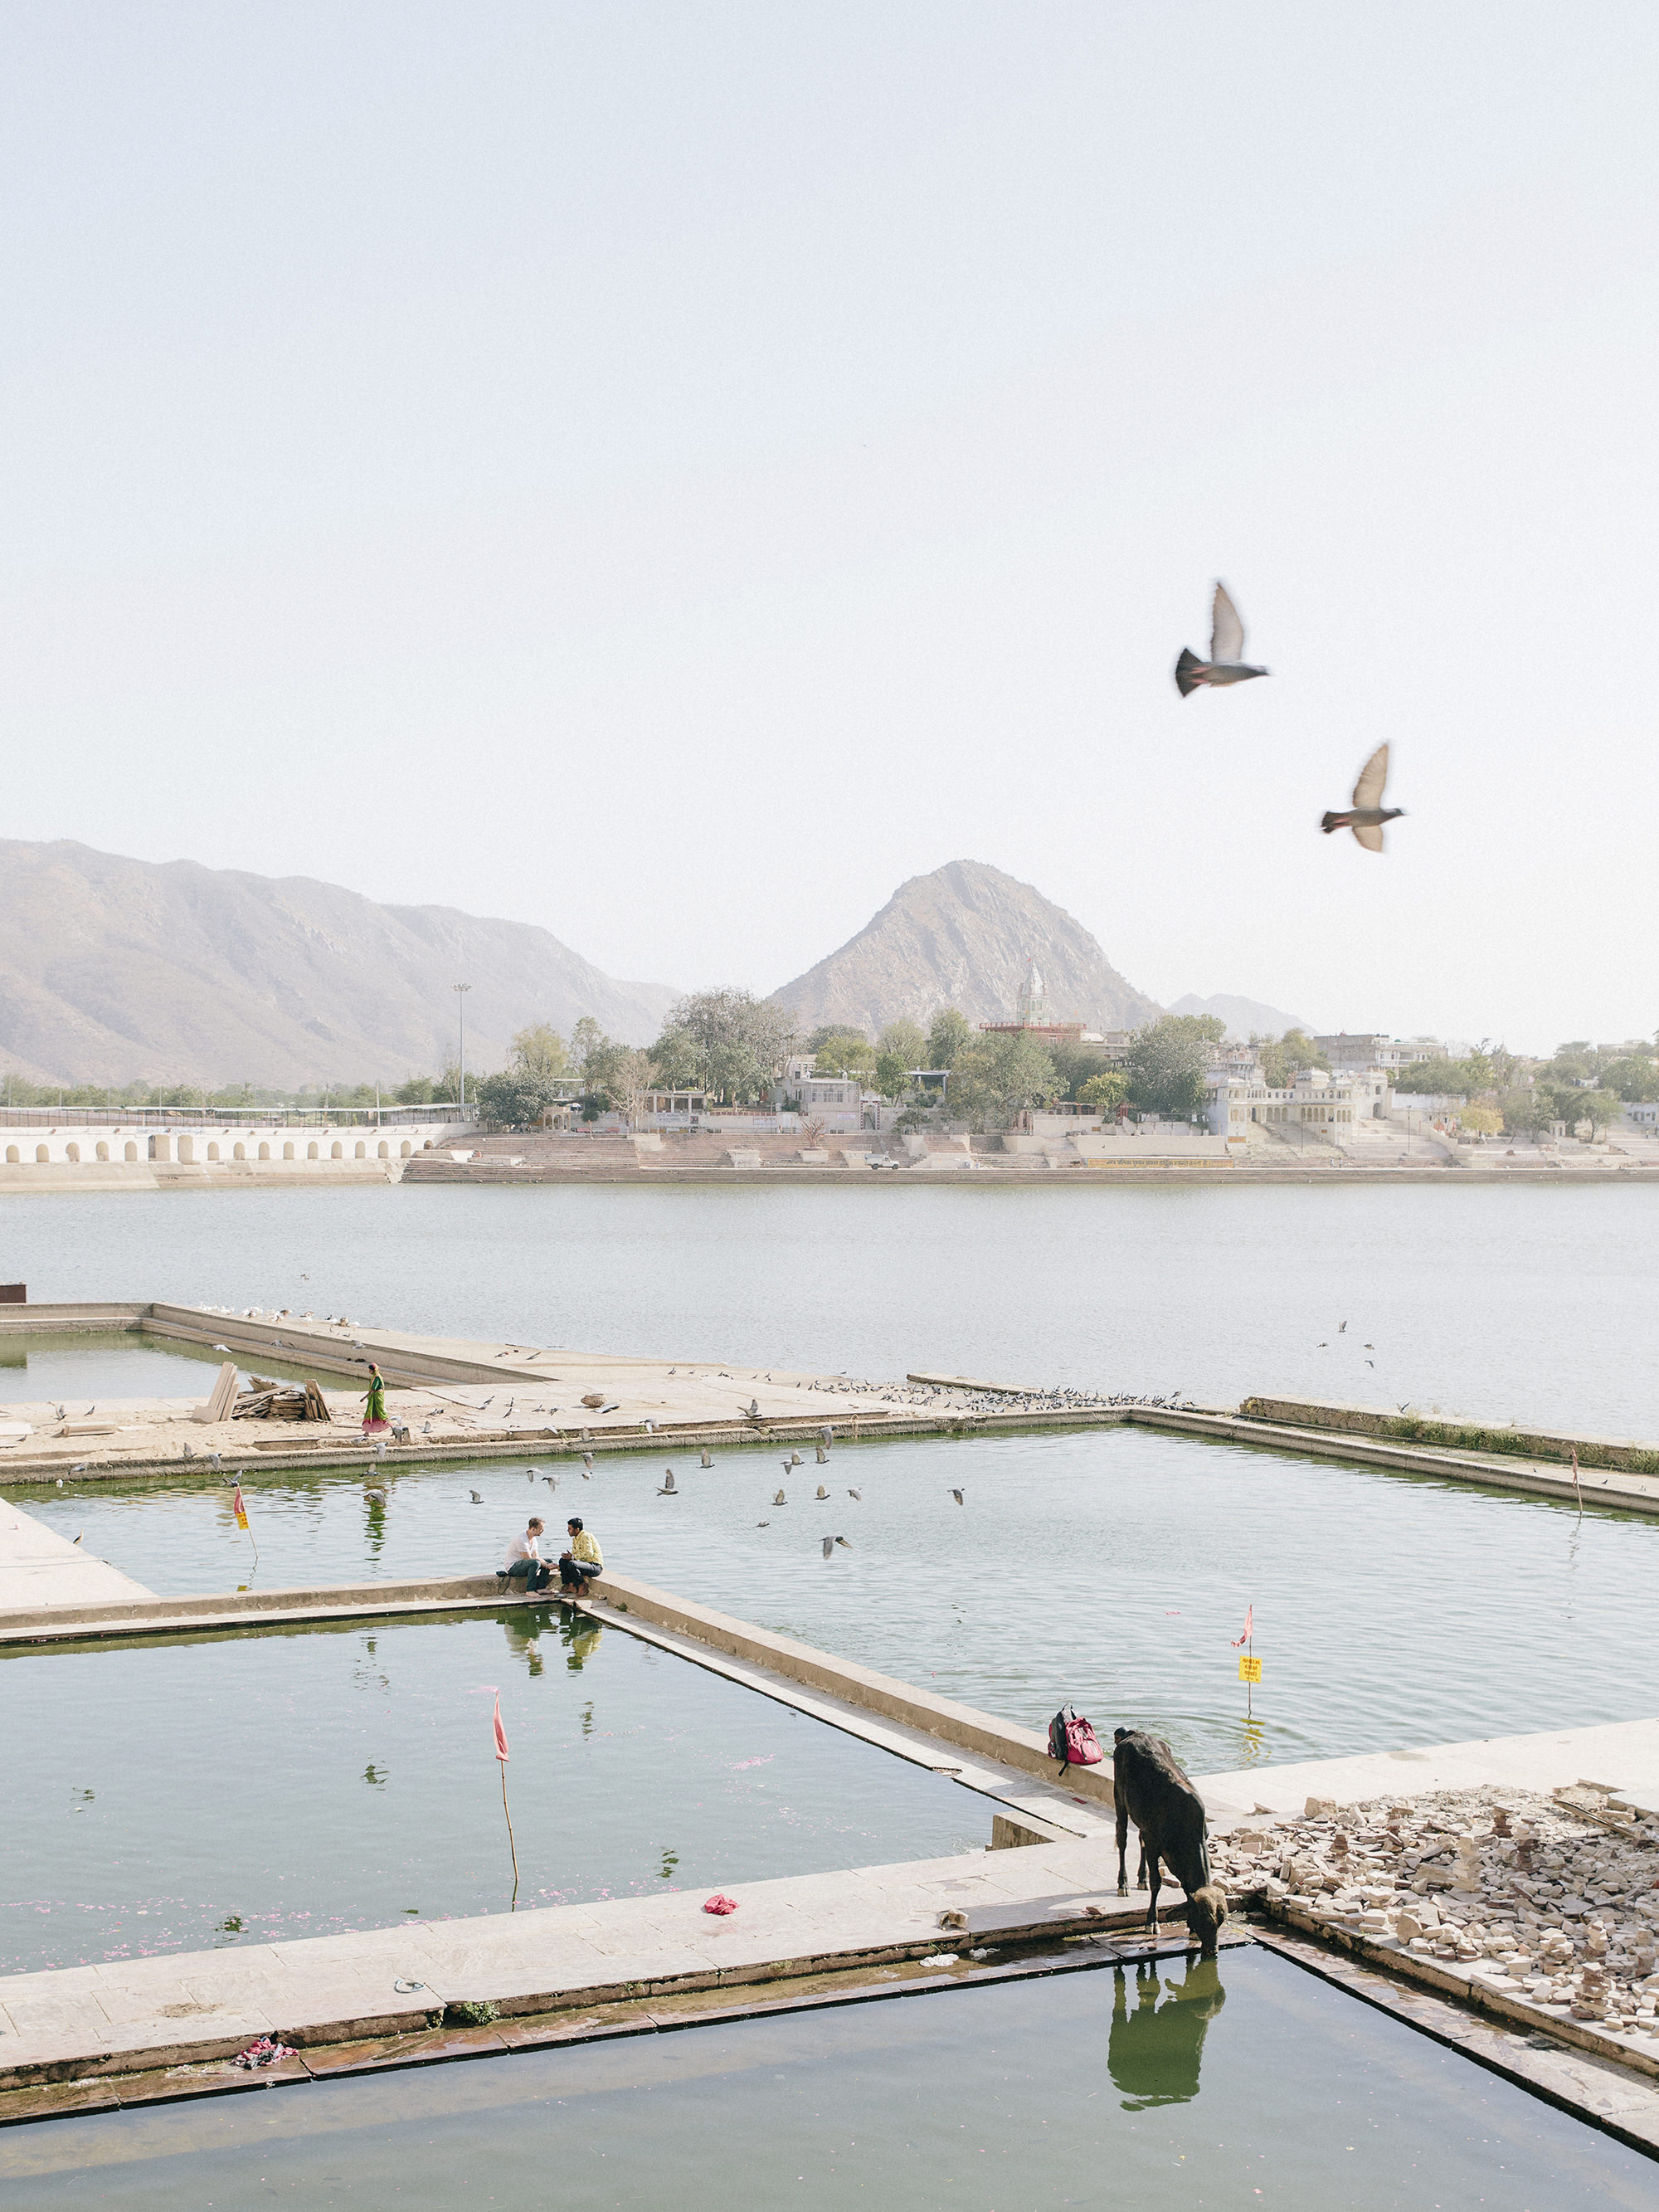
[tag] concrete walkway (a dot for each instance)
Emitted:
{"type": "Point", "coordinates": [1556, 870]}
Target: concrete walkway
{"type": "Point", "coordinates": [166, 2011]}
{"type": "Point", "coordinates": [40, 1568]}
{"type": "Point", "coordinates": [1622, 1756]}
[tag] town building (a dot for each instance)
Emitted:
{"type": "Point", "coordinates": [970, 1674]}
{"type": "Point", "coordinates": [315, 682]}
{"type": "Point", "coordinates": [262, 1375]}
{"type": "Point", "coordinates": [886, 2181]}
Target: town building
{"type": "Point", "coordinates": [1368, 1049]}
{"type": "Point", "coordinates": [1329, 1103]}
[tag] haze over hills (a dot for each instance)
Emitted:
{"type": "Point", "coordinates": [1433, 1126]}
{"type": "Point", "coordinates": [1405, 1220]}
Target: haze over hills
{"type": "Point", "coordinates": [113, 969]}
{"type": "Point", "coordinates": [1245, 1018]}
{"type": "Point", "coordinates": [963, 937]}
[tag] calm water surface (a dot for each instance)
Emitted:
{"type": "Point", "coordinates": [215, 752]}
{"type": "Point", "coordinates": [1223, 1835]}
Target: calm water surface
{"type": "Point", "coordinates": [178, 1795]}
{"type": "Point", "coordinates": [1109, 1568]}
{"type": "Point", "coordinates": [1528, 1302]}
{"type": "Point", "coordinates": [1241, 2083]}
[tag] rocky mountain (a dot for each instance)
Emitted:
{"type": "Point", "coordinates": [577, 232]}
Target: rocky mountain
{"type": "Point", "coordinates": [112, 969]}
{"type": "Point", "coordinates": [1245, 1018]}
{"type": "Point", "coordinates": [965, 936]}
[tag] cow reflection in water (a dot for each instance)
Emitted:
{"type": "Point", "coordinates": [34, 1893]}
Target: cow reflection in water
{"type": "Point", "coordinates": [1154, 2049]}
{"type": "Point", "coordinates": [580, 1636]}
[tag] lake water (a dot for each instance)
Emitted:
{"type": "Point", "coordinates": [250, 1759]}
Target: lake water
{"type": "Point", "coordinates": [1529, 1302]}
{"type": "Point", "coordinates": [109, 1364]}
{"type": "Point", "coordinates": [1240, 2082]}
{"type": "Point", "coordinates": [193, 1793]}
{"type": "Point", "coordinates": [1107, 1568]}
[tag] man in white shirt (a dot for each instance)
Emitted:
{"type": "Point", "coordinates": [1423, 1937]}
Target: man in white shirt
{"type": "Point", "coordinates": [524, 1558]}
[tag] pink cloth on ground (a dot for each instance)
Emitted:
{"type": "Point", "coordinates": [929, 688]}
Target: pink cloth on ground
{"type": "Point", "coordinates": [717, 1903]}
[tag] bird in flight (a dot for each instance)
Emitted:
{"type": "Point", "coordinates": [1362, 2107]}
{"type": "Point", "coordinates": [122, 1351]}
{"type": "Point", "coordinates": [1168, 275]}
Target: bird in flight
{"type": "Point", "coordinates": [855, 1493]}
{"type": "Point", "coordinates": [478, 1498]}
{"type": "Point", "coordinates": [778, 1498]}
{"type": "Point", "coordinates": [956, 1494]}
{"type": "Point", "coordinates": [1367, 815]}
{"type": "Point", "coordinates": [1226, 663]}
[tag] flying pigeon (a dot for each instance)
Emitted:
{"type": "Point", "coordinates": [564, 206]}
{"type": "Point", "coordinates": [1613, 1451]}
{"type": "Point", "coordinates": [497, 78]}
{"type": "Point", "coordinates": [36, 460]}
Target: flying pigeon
{"type": "Point", "coordinates": [823, 1493]}
{"type": "Point", "coordinates": [667, 1489]}
{"type": "Point", "coordinates": [478, 1498]}
{"type": "Point", "coordinates": [77, 1539]}
{"type": "Point", "coordinates": [829, 1546]}
{"type": "Point", "coordinates": [708, 1459]}
{"type": "Point", "coordinates": [855, 1493]}
{"type": "Point", "coordinates": [551, 1480]}
{"type": "Point", "coordinates": [1340, 1326]}
{"type": "Point", "coordinates": [778, 1498]}
{"type": "Point", "coordinates": [795, 1459]}
{"type": "Point", "coordinates": [754, 1409]}
{"type": "Point", "coordinates": [956, 1494]}
{"type": "Point", "coordinates": [842, 1541]}
{"type": "Point", "coordinates": [1226, 663]}
{"type": "Point", "coordinates": [1367, 815]}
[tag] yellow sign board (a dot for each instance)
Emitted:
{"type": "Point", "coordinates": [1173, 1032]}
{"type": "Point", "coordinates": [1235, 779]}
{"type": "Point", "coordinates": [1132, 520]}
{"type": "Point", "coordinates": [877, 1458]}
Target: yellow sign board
{"type": "Point", "coordinates": [1249, 1670]}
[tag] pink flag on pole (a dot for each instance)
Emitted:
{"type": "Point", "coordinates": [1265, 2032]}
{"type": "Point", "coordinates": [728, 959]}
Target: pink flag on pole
{"type": "Point", "coordinates": [238, 1509]}
{"type": "Point", "coordinates": [500, 1733]}
{"type": "Point", "coordinates": [1249, 1621]}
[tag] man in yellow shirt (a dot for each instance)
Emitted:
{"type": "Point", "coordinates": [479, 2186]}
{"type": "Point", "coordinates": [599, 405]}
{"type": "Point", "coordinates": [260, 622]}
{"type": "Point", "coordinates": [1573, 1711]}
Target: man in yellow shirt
{"type": "Point", "coordinates": [582, 1560]}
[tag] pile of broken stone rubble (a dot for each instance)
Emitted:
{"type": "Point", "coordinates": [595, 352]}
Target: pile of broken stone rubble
{"type": "Point", "coordinates": [1556, 1899]}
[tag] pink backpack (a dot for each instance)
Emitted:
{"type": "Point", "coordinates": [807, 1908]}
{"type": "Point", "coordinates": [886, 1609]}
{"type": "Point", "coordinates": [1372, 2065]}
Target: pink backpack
{"type": "Point", "coordinates": [1072, 1740]}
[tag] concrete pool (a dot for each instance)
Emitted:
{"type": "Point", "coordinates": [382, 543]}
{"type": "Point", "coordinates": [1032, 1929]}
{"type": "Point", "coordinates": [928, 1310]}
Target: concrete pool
{"type": "Point", "coordinates": [176, 1794]}
{"type": "Point", "coordinates": [1111, 1567]}
{"type": "Point", "coordinates": [1241, 2081]}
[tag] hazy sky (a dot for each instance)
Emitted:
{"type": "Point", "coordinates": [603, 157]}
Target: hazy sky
{"type": "Point", "coordinates": [672, 472]}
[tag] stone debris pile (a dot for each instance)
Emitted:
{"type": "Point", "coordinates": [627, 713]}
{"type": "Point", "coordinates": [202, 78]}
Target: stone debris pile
{"type": "Point", "coordinates": [1555, 1899]}
{"type": "Point", "coordinates": [939, 1397]}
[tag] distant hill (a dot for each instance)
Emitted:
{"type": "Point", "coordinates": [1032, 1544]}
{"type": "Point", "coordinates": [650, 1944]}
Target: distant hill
{"type": "Point", "coordinates": [963, 937]}
{"type": "Point", "coordinates": [112, 969]}
{"type": "Point", "coordinates": [1244, 1017]}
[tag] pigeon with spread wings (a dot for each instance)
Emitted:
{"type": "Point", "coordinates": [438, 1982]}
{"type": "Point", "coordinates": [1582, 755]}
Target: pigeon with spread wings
{"type": "Point", "coordinates": [1367, 815]}
{"type": "Point", "coordinates": [1226, 663]}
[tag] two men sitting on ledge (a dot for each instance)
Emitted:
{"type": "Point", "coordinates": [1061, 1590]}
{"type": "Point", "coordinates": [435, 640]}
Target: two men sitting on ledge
{"type": "Point", "coordinates": [577, 1566]}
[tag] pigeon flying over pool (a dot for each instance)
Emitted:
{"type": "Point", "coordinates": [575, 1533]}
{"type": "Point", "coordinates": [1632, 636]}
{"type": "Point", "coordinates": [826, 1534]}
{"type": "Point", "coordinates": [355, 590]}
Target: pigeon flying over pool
{"type": "Point", "coordinates": [824, 1456]}
{"type": "Point", "coordinates": [778, 1498]}
{"type": "Point", "coordinates": [795, 1459]}
{"type": "Point", "coordinates": [551, 1480]}
{"type": "Point", "coordinates": [1226, 663]}
{"type": "Point", "coordinates": [956, 1494]}
{"type": "Point", "coordinates": [829, 1546]}
{"type": "Point", "coordinates": [1367, 815]}
{"type": "Point", "coordinates": [668, 1489]}
{"type": "Point", "coordinates": [823, 1493]}
{"type": "Point", "coordinates": [855, 1493]}
{"type": "Point", "coordinates": [708, 1459]}
{"type": "Point", "coordinates": [478, 1498]}
{"type": "Point", "coordinates": [842, 1541]}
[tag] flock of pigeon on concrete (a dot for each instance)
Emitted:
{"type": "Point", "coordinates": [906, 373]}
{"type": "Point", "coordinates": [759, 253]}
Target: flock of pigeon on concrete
{"type": "Point", "coordinates": [1227, 664]}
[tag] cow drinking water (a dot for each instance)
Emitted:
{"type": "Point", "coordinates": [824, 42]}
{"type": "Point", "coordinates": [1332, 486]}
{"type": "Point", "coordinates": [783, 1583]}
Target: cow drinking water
{"type": "Point", "coordinates": [1150, 1789]}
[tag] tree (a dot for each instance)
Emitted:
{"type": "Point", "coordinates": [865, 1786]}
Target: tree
{"type": "Point", "coordinates": [540, 1051]}
{"type": "Point", "coordinates": [1600, 1108]}
{"type": "Point", "coordinates": [675, 1060]}
{"type": "Point", "coordinates": [1482, 1121]}
{"type": "Point", "coordinates": [893, 1075]}
{"type": "Point", "coordinates": [1283, 1058]}
{"type": "Point", "coordinates": [588, 1036]}
{"type": "Point", "coordinates": [735, 1041]}
{"type": "Point", "coordinates": [1166, 1064]}
{"type": "Point", "coordinates": [949, 1038]}
{"type": "Point", "coordinates": [906, 1041]}
{"type": "Point", "coordinates": [1106, 1091]}
{"type": "Point", "coordinates": [848, 1052]}
{"type": "Point", "coordinates": [1634, 1078]}
{"type": "Point", "coordinates": [511, 1097]}
{"type": "Point", "coordinates": [417, 1091]}
{"type": "Point", "coordinates": [998, 1077]}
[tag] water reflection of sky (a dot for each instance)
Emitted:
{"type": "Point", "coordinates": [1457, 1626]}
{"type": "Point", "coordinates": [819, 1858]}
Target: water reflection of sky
{"type": "Point", "coordinates": [1110, 1569]}
{"type": "Point", "coordinates": [174, 1795]}
{"type": "Point", "coordinates": [1295, 2097]}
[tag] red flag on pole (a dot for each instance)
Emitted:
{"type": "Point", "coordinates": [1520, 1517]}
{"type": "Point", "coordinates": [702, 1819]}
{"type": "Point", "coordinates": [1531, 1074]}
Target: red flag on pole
{"type": "Point", "coordinates": [500, 1733]}
{"type": "Point", "coordinates": [1249, 1617]}
{"type": "Point", "coordinates": [238, 1509]}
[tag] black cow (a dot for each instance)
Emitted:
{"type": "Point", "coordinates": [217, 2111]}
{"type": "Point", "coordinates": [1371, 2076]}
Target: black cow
{"type": "Point", "coordinates": [1150, 1789]}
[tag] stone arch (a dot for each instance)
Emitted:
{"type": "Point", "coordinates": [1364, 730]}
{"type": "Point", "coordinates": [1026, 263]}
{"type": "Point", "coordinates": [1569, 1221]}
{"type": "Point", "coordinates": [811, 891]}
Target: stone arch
{"type": "Point", "coordinates": [13, 1156]}
{"type": "Point", "coordinates": [132, 1151]}
{"type": "Point", "coordinates": [238, 1152]}
{"type": "Point", "coordinates": [187, 1151]}
{"type": "Point", "coordinates": [72, 1152]}
{"type": "Point", "coordinates": [287, 1151]}
{"type": "Point", "coordinates": [213, 1151]}
{"type": "Point", "coordinates": [385, 1153]}
{"type": "Point", "coordinates": [337, 1150]}
{"type": "Point", "coordinates": [311, 1152]}
{"type": "Point", "coordinates": [41, 1156]}
{"type": "Point", "coordinates": [405, 1149]}
{"type": "Point", "coordinates": [103, 1149]}
{"type": "Point", "coordinates": [264, 1152]}
{"type": "Point", "coordinates": [362, 1152]}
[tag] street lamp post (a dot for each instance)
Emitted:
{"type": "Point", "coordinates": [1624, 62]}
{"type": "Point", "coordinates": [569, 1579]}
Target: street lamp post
{"type": "Point", "coordinates": [461, 990]}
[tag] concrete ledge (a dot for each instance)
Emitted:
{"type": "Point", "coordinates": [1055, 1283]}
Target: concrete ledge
{"type": "Point", "coordinates": [1437, 1431]}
